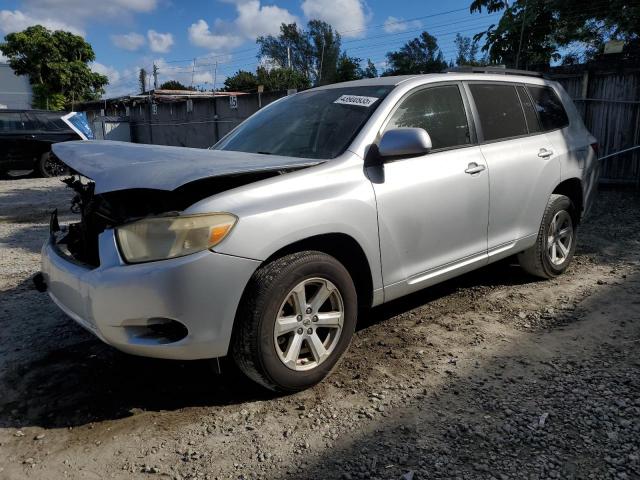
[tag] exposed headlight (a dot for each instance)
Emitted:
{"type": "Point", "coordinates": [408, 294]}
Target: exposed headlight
{"type": "Point", "coordinates": [159, 238]}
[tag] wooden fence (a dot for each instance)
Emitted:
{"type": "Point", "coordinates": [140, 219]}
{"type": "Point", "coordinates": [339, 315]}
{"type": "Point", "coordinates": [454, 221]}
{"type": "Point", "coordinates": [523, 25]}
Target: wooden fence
{"type": "Point", "coordinates": [610, 106]}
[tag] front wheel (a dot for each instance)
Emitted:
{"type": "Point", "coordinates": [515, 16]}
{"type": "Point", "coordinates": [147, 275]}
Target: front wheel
{"type": "Point", "coordinates": [556, 242]}
{"type": "Point", "coordinates": [49, 166]}
{"type": "Point", "coordinates": [296, 320]}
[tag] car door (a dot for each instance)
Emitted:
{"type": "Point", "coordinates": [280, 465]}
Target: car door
{"type": "Point", "coordinates": [432, 209]}
{"type": "Point", "coordinates": [11, 141]}
{"type": "Point", "coordinates": [523, 167]}
{"type": "Point", "coordinates": [32, 140]}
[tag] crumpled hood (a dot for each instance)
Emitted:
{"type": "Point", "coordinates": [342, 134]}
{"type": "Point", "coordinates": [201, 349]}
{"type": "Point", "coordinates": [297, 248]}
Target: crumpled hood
{"type": "Point", "coordinates": [122, 165]}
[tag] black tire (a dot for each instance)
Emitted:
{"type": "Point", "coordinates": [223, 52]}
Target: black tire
{"type": "Point", "coordinates": [537, 260]}
{"type": "Point", "coordinates": [253, 344]}
{"type": "Point", "coordinates": [49, 166]}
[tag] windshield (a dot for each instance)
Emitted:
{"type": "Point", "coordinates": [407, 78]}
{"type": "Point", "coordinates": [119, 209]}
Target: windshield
{"type": "Point", "coordinates": [311, 124]}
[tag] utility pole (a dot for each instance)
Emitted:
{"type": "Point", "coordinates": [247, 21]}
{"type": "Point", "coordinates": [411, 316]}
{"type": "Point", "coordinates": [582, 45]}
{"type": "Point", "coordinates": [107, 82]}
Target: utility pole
{"type": "Point", "coordinates": [155, 76]}
{"type": "Point", "coordinates": [524, 14]}
{"type": "Point", "coordinates": [193, 71]}
{"type": "Point", "coordinates": [321, 60]}
{"type": "Point", "coordinates": [215, 75]}
{"type": "Point", "coordinates": [288, 57]}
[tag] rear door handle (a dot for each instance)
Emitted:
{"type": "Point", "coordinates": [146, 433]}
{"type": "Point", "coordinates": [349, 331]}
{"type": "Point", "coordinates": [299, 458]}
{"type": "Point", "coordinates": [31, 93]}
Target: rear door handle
{"type": "Point", "coordinates": [473, 168]}
{"type": "Point", "coordinates": [545, 153]}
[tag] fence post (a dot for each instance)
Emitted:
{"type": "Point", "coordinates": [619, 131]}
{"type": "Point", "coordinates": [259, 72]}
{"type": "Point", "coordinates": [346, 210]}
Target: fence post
{"type": "Point", "coordinates": [585, 93]}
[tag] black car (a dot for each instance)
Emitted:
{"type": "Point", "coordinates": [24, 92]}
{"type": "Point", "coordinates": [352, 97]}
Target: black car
{"type": "Point", "coordinates": [26, 137]}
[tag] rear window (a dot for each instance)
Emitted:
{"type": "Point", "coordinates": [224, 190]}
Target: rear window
{"type": "Point", "coordinates": [499, 109]}
{"type": "Point", "coordinates": [549, 107]}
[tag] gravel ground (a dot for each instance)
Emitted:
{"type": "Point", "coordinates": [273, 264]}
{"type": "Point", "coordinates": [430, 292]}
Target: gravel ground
{"type": "Point", "coordinates": [493, 375]}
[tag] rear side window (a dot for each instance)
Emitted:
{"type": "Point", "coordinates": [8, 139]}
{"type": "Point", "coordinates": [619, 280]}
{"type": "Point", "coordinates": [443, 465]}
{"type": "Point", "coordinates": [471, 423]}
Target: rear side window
{"type": "Point", "coordinates": [499, 109]}
{"type": "Point", "coordinates": [529, 110]}
{"type": "Point", "coordinates": [549, 107]}
{"type": "Point", "coordinates": [11, 122]}
{"type": "Point", "coordinates": [439, 111]}
{"type": "Point", "coordinates": [51, 123]}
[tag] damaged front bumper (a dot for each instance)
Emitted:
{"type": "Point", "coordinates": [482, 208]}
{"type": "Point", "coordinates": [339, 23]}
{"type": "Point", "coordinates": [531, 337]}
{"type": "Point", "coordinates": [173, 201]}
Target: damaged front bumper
{"type": "Point", "coordinates": [182, 308]}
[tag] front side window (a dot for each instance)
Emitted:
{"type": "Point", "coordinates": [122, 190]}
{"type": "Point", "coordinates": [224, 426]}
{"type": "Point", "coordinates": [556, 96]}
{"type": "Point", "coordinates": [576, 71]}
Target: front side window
{"type": "Point", "coordinates": [11, 122]}
{"type": "Point", "coordinates": [313, 124]}
{"type": "Point", "coordinates": [550, 110]}
{"type": "Point", "coordinates": [499, 109]}
{"type": "Point", "coordinates": [438, 110]}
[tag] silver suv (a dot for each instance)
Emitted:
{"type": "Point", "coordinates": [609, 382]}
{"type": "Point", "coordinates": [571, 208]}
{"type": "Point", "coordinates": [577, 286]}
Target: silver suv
{"type": "Point", "coordinates": [322, 204]}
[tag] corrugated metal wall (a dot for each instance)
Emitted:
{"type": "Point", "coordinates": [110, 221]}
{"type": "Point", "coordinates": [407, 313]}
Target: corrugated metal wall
{"type": "Point", "coordinates": [610, 105]}
{"type": "Point", "coordinates": [200, 126]}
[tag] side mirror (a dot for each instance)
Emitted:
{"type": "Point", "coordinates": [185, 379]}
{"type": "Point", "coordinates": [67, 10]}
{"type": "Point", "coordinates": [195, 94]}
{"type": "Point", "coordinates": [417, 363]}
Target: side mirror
{"type": "Point", "coordinates": [404, 142]}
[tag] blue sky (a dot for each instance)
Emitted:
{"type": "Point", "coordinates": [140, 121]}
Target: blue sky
{"type": "Point", "coordinates": [129, 34]}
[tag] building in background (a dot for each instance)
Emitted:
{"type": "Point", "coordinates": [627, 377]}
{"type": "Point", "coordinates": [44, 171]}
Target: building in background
{"type": "Point", "coordinates": [15, 91]}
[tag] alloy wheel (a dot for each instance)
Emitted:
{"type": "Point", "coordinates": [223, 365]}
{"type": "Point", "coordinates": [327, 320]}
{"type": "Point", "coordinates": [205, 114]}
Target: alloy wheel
{"type": "Point", "coordinates": [309, 324]}
{"type": "Point", "coordinates": [559, 237]}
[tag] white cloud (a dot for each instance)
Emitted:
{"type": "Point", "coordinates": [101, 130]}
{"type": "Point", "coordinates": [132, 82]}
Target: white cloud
{"type": "Point", "coordinates": [201, 36]}
{"type": "Point", "coordinates": [255, 20]}
{"type": "Point", "coordinates": [112, 74]}
{"type": "Point", "coordinates": [159, 42]}
{"type": "Point", "coordinates": [71, 15]}
{"type": "Point", "coordinates": [347, 16]}
{"type": "Point", "coordinates": [14, 21]}
{"type": "Point", "coordinates": [203, 77]}
{"type": "Point", "coordinates": [252, 21]}
{"type": "Point", "coordinates": [128, 41]}
{"type": "Point", "coordinates": [395, 25]}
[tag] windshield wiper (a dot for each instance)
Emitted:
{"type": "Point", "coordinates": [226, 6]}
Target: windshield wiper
{"type": "Point", "coordinates": [264, 153]}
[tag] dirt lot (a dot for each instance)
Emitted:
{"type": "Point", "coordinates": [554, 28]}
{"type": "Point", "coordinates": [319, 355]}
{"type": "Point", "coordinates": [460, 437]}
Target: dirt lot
{"type": "Point", "coordinates": [492, 375]}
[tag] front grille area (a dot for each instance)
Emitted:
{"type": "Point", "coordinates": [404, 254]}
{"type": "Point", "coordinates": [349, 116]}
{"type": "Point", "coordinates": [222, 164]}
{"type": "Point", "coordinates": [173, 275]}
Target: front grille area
{"type": "Point", "coordinates": [81, 238]}
{"type": "Point", "coordinates": [99, 212]}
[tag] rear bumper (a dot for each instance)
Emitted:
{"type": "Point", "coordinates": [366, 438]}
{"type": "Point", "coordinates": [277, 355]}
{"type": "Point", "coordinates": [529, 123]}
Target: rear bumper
{"type": "Point", "coordinates": [117, 302]}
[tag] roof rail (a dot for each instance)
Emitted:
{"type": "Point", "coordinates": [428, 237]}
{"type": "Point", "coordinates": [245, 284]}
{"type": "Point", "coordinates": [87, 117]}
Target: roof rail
{"type": "Point", "coordinates": [500, 70]}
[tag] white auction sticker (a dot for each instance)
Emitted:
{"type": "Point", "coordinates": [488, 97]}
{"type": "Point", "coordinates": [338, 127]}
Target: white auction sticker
{"type": "Point", "coordinates": [356, 100]}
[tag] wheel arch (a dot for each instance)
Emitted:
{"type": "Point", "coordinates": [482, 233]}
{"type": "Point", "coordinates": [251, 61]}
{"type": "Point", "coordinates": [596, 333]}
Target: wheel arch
{"type": "Point", "coordinates": [346, 250]}
{"type": "Point", "coordinates": [572, 188]}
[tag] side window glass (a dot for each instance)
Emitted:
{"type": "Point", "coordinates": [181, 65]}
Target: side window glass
{"type": "Point", "coordinates": [11, 123]}
{"type": "Point", "coordinates": [438, 110]}
{"type": "Point", "coordinates": [529, 111]}
{"type": "Point", "coordinates": [499, 110]}
{"type": "Point", "coordinates": [29, 123]}
{"type": "Point", "coordinates": [550, 110]}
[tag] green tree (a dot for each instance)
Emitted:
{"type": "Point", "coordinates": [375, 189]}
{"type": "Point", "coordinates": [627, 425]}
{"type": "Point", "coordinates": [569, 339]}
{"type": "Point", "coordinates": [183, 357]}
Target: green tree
{"type": "Point", "coordinates": [57, 64]}
{"type": "Point", "coordinates": [273, 80]}
{"type": "Point", "coordinates": [467, 51]}
{"type": "Point", "coordinates": [280, 79]}
{"type": "Point", "coordinates": [142, 80]}
{"type": "Point", "coordinates": [532, 33]}
{"type": "Point", "coordinates": [241, 81]}
{"type": "Point", "coordinates": [370, 70]}
{"type": "Point", "coordinates": [174, 85]}
{"type": "Point", "coordinates": [348, 68]}
{"type": "Point", "coordinates": [420, 55]}
{"type": "Point", "coordinates": [314, 52]}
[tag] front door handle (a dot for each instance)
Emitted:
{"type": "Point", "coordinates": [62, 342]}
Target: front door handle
{"type": "Point", "coordinates": [545, 153]}
{"type": "Point", "coordinates": [473, 168]}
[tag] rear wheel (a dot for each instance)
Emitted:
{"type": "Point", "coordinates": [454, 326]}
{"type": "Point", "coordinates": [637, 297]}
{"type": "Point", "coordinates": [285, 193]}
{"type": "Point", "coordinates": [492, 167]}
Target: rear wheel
{"type": "Point", "coordinates": [50, 166]}
{"type": "Point", "coordinates": [556, 242]}
{"type": "Point", "coordinates": [296, 320]}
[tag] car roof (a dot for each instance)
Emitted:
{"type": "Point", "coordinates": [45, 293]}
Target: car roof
{"type": "Point", "coordinates": [438, 77]}
{"type": "Point", "coordinates": [46, 112]}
